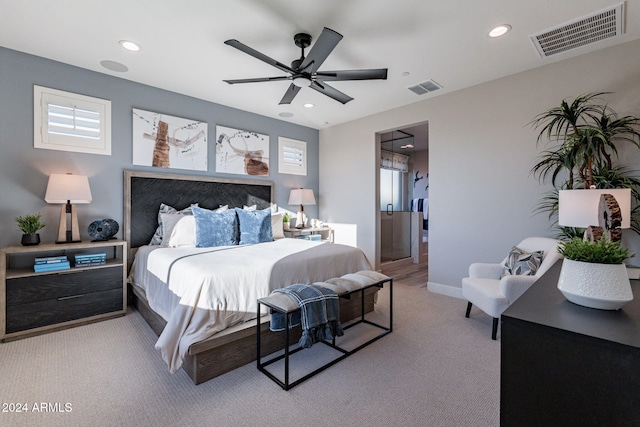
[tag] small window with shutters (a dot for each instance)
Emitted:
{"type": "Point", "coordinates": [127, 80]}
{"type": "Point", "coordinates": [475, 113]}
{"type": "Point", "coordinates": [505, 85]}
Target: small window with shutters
{"type": "Point", "coordinates": [70, 122]}
{"type": "Point", "coordinates": [292, 156]}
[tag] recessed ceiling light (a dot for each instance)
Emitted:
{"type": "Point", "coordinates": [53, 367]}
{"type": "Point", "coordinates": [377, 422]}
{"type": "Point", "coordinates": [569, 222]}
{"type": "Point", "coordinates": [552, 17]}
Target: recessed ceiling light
{"type": "Point", "coordinates": [114, 66]}
{"type": "Point", "coordinates": [405, 74]}
{"type": "Point", "coordinates": [500, 30]}
{"type": "Point", "coordinates": [129, 45]}
{"type": "Point", "coordinates": [286, 114]}
{"type": "Point", "coordinates": [308, 105]}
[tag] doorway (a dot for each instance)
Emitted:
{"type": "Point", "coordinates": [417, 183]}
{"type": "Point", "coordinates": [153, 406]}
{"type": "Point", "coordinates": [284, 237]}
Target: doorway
{"type": "Point", "coordinates": [403, 194]}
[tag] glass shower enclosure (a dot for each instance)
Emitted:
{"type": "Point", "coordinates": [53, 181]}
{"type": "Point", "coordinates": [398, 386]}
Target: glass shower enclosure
{"type": "Point", "coordinates": [395, 197]}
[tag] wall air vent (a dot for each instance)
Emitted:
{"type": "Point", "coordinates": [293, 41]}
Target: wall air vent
{"type": "Point", "coordinates": [425, 87]}
{"type": "Point", "coordinates": [599, 26]}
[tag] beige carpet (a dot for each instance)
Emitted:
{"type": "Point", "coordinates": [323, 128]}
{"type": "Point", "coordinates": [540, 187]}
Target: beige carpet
{"type": "Point", "coordinates": [437, 368]}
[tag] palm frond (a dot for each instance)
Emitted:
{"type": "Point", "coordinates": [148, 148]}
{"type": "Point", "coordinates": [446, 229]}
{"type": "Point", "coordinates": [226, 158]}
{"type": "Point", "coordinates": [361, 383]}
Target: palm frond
{"type": "Point", "coordinates": [588, 135]}
{"type": "Point", "coordinates": [558, 122]}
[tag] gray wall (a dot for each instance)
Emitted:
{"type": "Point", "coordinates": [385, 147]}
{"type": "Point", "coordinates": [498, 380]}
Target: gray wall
{"type": "Point", "coordinates": [481, 149]}
{"type": "Point", "coordinates": [24, 170]}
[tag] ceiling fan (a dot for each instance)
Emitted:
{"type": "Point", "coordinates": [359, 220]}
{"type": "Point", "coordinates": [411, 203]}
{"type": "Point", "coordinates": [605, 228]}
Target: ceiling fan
{"type": "Point", "coordinates": [303, 72]}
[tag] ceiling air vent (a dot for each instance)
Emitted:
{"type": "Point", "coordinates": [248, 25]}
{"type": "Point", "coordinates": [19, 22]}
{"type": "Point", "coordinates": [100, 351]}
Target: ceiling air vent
{"type": "Point", "coordinates": [425, 87]}
{"type": "Point", "coordinates": [601, 25]}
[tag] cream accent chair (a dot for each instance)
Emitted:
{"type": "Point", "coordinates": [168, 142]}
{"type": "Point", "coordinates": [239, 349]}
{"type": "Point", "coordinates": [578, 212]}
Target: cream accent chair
{"type": "Point", "coordinates": [493, 295]}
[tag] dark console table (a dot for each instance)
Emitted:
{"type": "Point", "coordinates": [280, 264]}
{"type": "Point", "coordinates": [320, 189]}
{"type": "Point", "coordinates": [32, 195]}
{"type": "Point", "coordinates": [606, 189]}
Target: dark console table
{"type": "Point", "coordinates": [567, 365]}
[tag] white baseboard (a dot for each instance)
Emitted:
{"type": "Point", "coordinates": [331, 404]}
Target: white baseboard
{"type": "Point", "coordinates": [451, 291]}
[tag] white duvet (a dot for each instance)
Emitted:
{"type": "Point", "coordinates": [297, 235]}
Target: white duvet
{"type": "Point", "coordinates": [201, 291]}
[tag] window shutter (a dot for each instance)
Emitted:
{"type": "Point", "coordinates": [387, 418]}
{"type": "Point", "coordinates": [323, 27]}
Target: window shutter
{"type": "Point", "coordinates": [292, 156]}
{"type": "Point", "coordinates": [73, 121]}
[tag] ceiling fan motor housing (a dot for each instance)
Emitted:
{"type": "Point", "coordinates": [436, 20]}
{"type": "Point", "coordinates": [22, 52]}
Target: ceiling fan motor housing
{"type": "Point", "coordinates": [295, 64]}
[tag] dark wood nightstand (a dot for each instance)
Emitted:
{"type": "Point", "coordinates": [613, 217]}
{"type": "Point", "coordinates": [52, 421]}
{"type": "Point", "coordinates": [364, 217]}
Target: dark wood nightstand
{"type": "Point", "coordinates": [34, 303]}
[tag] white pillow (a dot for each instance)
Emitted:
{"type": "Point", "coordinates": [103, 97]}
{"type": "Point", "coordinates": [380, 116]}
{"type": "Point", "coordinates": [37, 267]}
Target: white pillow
{"type": "Point", "coordinates": [157, 236]}
{"type": "Point", "coordinates": [276, 225]}
{"type": "Point", "coordinates": [222, 208]}
{"type": "Point", "coordinates": [184, 232]}
{"type": "Point", "coordinates": [168, 222]}
{"type": "Point", "coordinates": [249, 208]}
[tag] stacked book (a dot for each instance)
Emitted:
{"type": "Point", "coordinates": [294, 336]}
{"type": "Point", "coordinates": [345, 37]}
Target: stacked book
{"type": "Point", "coordinates": [312, 237]}
{"type": "Point", "coordinates": [90, 260]}
{"type": "Point", "coordinates": [52, 263]}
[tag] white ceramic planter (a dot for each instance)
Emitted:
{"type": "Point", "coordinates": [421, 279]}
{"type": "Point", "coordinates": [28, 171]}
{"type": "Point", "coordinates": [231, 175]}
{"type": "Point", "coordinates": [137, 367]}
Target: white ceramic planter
{"type": "Point", "coordinates": [603, 286]}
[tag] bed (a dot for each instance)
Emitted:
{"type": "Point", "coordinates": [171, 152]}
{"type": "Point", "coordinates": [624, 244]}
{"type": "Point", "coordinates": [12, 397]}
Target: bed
{"type": "Point", "coordinates": [210, 336]}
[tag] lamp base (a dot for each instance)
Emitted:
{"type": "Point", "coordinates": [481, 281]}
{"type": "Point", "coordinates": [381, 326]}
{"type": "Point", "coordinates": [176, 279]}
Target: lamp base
{"type": "Point", "coordinates": [68, 231]}
{"type": "Point", "coordinates": [301, 218]}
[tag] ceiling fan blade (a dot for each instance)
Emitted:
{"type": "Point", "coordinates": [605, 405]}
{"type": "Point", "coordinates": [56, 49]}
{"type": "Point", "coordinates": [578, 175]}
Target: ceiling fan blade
{"type": "Point", "coordinates": [325, 44]}
{"type": "Point", "coordinates": [262, 57]}
{"type": "Point", "coordinates": [290, 94]}
{"type": "Point", "coordinates": [257, 80]}
{"type": "Point", "coordinates": [371, 74]}
{"type": "Point", "coordinates": [331, 92]}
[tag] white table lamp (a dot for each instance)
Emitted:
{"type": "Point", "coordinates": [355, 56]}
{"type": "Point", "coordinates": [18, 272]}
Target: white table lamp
{"type": "Point", "coordinates": [582, 208]}
{"type": "Point", "coordinates": [301, 197]}
{"type": "Point", "coordinates": [68, 190]}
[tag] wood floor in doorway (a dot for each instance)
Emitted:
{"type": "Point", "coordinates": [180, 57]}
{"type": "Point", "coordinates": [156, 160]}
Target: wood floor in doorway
{"type": "Point", "coordinates": [408, 273]}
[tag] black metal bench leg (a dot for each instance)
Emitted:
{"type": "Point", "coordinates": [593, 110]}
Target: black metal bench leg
{"type": "Point", "coordinates": [468, 309]}
{"type": "Point", "coordinates": [495, 328]}
{"type": "Point", "coordinates": [258, 343]}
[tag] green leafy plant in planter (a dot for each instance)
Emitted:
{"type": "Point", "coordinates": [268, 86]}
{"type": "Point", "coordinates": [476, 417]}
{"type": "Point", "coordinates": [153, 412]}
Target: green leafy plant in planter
{"type": "Point", "coordinates": [593, 274]}
{"type": "Point", "coordinates": [30, 224]}
{"type": "Point", "coordinates": [586, 134]}
{"type": "Point", "coordinates": [602, 251]}
{"type": "Point", "coordinates": [286, 221]}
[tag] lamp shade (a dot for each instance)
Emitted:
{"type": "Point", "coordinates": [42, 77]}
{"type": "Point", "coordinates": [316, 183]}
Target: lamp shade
{"type": "Point", "coordinates": [579, 208]}
{"type": "Point", "coordinates": [63, 188]}
{"type": "Point", "coordinates": [301, 196]}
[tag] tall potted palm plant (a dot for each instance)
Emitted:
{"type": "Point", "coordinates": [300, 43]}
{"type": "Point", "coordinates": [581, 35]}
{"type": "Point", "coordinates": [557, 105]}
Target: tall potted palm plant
{"type": "Point", "coordinates": [586, 135]}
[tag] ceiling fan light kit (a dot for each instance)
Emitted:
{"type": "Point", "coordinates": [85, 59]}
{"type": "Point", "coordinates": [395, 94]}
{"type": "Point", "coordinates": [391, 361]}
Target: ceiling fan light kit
{"type": "Point", "coordinates": [303, 71]}
{"type": "Point", "coordinates": [301, 81]}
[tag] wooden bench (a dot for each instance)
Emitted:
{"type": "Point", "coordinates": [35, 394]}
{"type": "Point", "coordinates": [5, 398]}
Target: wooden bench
{"type": "Point", "coordinates": [345, 287]}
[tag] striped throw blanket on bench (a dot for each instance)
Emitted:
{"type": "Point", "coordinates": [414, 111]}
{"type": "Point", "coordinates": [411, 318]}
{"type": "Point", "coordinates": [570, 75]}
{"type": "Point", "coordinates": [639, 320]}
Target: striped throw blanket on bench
{"type": "Point", "coordinates": [319, 313]}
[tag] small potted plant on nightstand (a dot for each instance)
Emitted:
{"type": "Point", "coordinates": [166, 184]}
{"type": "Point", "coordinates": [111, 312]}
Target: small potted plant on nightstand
{"type": "Point", "coordinates": [593, 273]}
{"type": "Point", "coordinates": [286, 221]}
{"type": "Point", "coordinates": [29, 225]}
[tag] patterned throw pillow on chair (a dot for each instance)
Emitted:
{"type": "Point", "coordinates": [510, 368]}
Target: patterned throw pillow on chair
{"type": "Point", "coordinates": [522, 263]}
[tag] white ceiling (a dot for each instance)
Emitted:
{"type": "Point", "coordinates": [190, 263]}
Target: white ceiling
{"type": "Point", "coordinates": [183, 46]}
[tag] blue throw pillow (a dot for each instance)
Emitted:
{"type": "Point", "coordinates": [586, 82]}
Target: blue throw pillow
{"type": "Point", "coordinates": [215, 228]}
{"type": "Point", "coordinates": [255, 226]}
